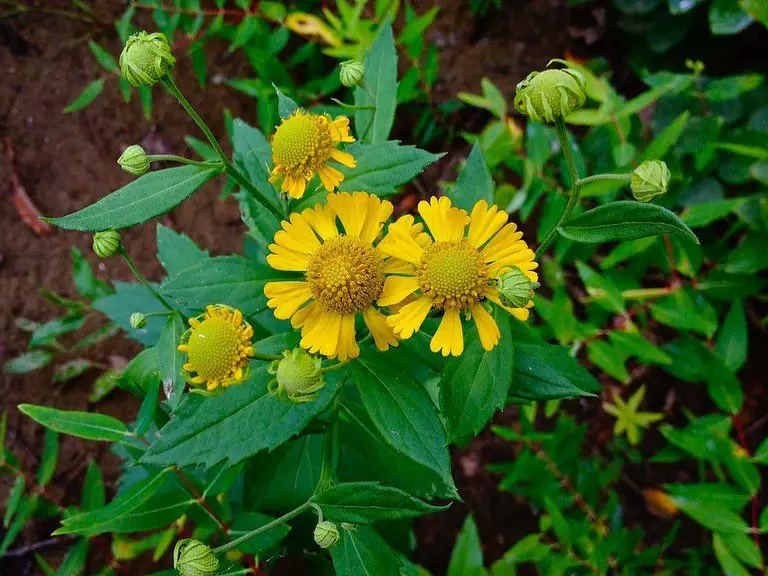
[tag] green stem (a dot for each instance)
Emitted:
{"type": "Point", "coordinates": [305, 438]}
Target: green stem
{"type": "Point", "coordinates": [351, 107]}
{"type": "Point", "coordinates": [266, 357]}
{"type": "Point", "coordinates": [182, 160]}
{"type": "Point", "coordinates": [140, 278]}
{"type": "Point", "coordinates": [562, 135]}
{"type": "Point", "coordinates": [596, 177]}
{"type": "Point", "coordinates": [333, 367]}
{"type": "Point", "coordinates": [248, 535]}
{"type": "Point", "coordinates": [238, 176]}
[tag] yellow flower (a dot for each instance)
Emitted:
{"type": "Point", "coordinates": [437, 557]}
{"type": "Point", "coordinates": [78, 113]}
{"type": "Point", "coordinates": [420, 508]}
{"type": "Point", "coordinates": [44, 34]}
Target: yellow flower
{"type": "Point", "coordinates": [303, 145]}
{"type": "Point", "coordinates": [342, 273]}
{"type": "Point", "coordinates": [452, 270]}
{"type": "Point", "coordinates": [218, 346]}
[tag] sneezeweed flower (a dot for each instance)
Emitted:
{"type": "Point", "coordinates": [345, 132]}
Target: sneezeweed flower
{"type": "Point", "coordinates": [326, 534]}
{"type": "Point", "coordinates": [649, 180]}
{"type": "Point", "coordinates": [551, 94]}
{"type": "Point", "coordinates": [452, 270]}
{"type": "Point", "coordinates": [193, 558]}
{"type": "Point", "coordinates": [146, 58]}
{"type": "Point", "coordinates": [106, 243]}
{"type": "Point", "coordinates": [298, 378]}
{"type": "Point", "coordinates": [134, 160]}
{"type": "Point", "coordinates": [303, 145]}
{"type": "Point", "coordinates": [342, 273]}
{"type": "Point", "coordinates": [218, 347]}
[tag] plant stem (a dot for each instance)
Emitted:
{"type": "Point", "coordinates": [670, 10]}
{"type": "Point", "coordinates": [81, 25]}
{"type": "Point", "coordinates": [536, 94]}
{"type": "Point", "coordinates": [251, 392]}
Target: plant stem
{"type": "Point", "coordinates": [333, 367]}
{"type": "Point", "coordinates": [140, 278]}
{"type": "Point", "coordinates": [238, 176]}
{"type": "Point", "coordinates": [248, 535]}
{"type": "Point", "coordinates": [182, 160]}
{"type": "Point", "coordinates": [562, 135]}
{"type": "Point", "coordinates": [596, 177]}
{"type": "Point", "coordinates": [266, 357]}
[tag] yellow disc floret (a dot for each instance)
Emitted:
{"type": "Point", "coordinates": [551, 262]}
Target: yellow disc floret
{"type": "Point", "coordinates": [345, 274]}
{"type": "Point", "coordinates": [218, 346]}
{"type": "Point", "coordinates": [453, 274]}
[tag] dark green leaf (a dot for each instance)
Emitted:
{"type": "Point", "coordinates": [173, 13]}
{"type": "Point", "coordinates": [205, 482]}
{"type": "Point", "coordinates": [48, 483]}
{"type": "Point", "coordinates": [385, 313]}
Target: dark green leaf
{"type": "Point", "coordinates": [285, 106]}
{"type": "Point", "coordinates": [171, 360]}
{"type": "Point", "coordinates": [88, 425]}
{"type": "Point", "coordinates": [88, 95]}
{"type": "Point", "coordinates": [94, 492]}
{"type": "Point", "coordinates": [177, 252]}
{"type": "Point", "coordinates": [546, 372]}
{"type": "Point", "coordinates": [731, 341]}
{"type": "Point", "coordinates": [362, 552]}
{"type": "Point", "coordinates": [474, 182]}
{"type": "Point", "coordinates": [686, 310]}
{"type": "Point", "coordinates": [249, 521]}
{"type": "Point", "coordinates": [467, 556]}
{"type": "Point", "coordinates": [49, 459]}
{"type": "Point", "coordinates": [381, 80]}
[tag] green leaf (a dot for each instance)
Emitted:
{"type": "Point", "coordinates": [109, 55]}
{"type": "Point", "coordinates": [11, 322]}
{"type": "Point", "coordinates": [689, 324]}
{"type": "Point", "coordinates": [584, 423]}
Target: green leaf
{"type": "Point", "coordinates": [27, 362]}
{"type": "Point", "coordinates": [13, 500]}
{"type": "Point", "coordinates": [705, 213]}
{"type": "Point", "coordinates": [148, 196]}
{"type": "Point", "coordinates": [370, 502]}
{"type": "Point", "coordinates": [24, 512]}
{"type": "Point", "coordinates": [253, 154]}
{"type": "Point", "coordinates": [249, 521]}
{"type": "Point", "coordinates": [403, 412]}
{"type": "Point", "coordinates": [362, 552]}
{"type": "Point", "coordinates": [103, 57]}
{"type": "Point", "coordinates": [381, 80]}
{"type": "Point", "coordinates": [730, 565]}
{"type": "Point", "coordinates": [607, 358]}
{"type": "Point", "coordinates": [285, 105]}
{"type": "Point", "coordinates": [601, 289]}
{"type": "Point", "coordinates": [177, 252]}
{"type": "Point", "coordinates": [74, 562]}
{"type": "Point", "coordinates": [88, 95]}
{"type": "Point", "coordinates": [103, 385]}
{"type": "Point", "coordinates": [129, 298]}
{"type": "Point", "coordinates": [49, 458]}
{"type": "Point", "coordinates": [633, 344]}
{"type": "Point", "coordinates": [88, 425]}
{"type": "Point", "coordinates": [71, 369]}
{"type": "Point", "coordinates": [85, 281]}
{"type": "Point", "coordinates": [624, 220]}
{"type": "Point", "coordinates": [726, 17]}
{"type": "Point", "coordinates": [546, 372]}
{"type": "Point", "coordinates": [46, 334]}
{"type": "Point", "coordinates": [667, 138]}
{"type": "Point", "coordinates": [685, 309]}
{"type": "Point", "coordinates": [474, 182]}
{"type": "Point", "coordinates": [141, 373]}
{"type": "Point", "coordinates": [743, 548]}
{"type": "Point", "coordinates": [382, 167]}
{"type": "Point", "coordinates": [467, 556]}
{"type": "Point", "coordinates": [474, 385]}
{"type": "Point", "coordinates": [241, 422]}
{"type": "Point", "coordinates": [732, 339]}
{"type": "Point", "coordinates": [171, 360]}
{"type": "Point", "coordinates": [94, 492]}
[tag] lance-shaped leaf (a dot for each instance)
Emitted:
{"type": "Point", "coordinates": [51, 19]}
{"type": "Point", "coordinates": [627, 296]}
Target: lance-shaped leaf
{"type": "Point", "coordinates": [474, 182]}
{"type": "Point", "coordinates": [547, 372]}
{"type": "Point", "coordinates": [362, 552]}
{"type": "Point", "coordinates": [151, 195]}
{"type": "Point", "coordinates": [373, 126]}
{"type": "Point", "coordinates": [86, 425]}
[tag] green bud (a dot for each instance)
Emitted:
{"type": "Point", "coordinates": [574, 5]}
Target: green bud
{"type": "Point", "coordinates": [138, 320]}
{"type": "Point", "coordinates": [515, 288]}
{"type": "Point", "coordinates": [649, 180]}
{"type": "Point", "coordinates": [298, 377]}
{"type": "Point", "coordinates": [551, 94]}
{"type": "Point", "coordinates": [326, 534]}
{"type": "Point", "coordinates": [193, 558]}
{"type": "Point", "coordinates": [146, 58]}
{"type": "Point", "coordinates": [351, 73]}
{"type": "Point", "coordinates": [106, 243]}
{"type": "Point", "coordinates": [134, 160]}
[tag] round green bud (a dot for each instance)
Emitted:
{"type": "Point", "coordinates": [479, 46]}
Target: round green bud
{"type": "Point", "coordinates": [351, 73]}
{"type": "Point", "coordinates": [326, 534]}
{"type": "Point", "coordinates": [146, 58]}
{"type": "Point", "coordinates": [649, 180]}
{"type": "Point", "coordinates": [193, 558]}
{"type": "Point", "coordinates": [106, 243]}
{"type": "Point", "coordinates": [298, 377]}
{"type": "Point", "coordinates": [551, 94]}
{"type": "Point", "coordinates": [134, 160]}
{"type": "Point", "coordinates": [138, 320]}
{"type": "Point", "coordinates": [515, 288]}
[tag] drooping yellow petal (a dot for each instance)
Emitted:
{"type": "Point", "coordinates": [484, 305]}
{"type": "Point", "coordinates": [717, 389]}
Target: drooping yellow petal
{"type": "Point", "coordinates": [347, 347]}
{"type": "Point", "coordinates": [400, 267]}
{"type": "Point", "coordinates": [378, 212]}
{"type": "Point", "coordinates": [294, 186]}
{"type": "Point", "coordinates": [487, 328]}
{"type": "Point", "coordinates": [340, 130]}
{"type": "Point", "coordinates": [446, 223]}
{"type": "Point", "coordinates": [410, 317]}
{"type": "Point", "coordinates": [322, 219]}
{"type": "Point", "coordinates": [383, 334]}
{"type": "Point", "coordinates": [307, 315]}
{"type": "Point", "coordinates": [397, 288]}
{"type": "Point", "coordinates": [322, 334]}
{"type": "Point", "coordinates": [330, 177]}
{"type": "Point", "coordinates": [449, 338]}
{"type": "Point", "coordinates": [523, 259]}
{"type": "Point", "coordinates": [504, 238]}
{"type": "Point", "coordinates": [351, 210]}
{"type": "Point", "coordinates": [400, 243]}
{"type": "Point", "coordinates": [282, 258]}
{"type": "Point", "coordinates": [343, 158]}
{"type": "Point", "coordinates": [484, 223]}
{"type": "Point", "coordinates": [286, 297]}
{"type": "Point", "coordinates": [519, 313]}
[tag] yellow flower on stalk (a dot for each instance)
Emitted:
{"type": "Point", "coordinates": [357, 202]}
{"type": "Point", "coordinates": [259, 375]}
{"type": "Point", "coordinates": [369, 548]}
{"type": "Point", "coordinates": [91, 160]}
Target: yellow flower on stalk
{"type": "Point", "coordinates": [342, 273]}
{"type": "Point", "coordinates": [218, 347]}
{"type": "Point", "coordinates": [452, 270]}
{"type": "Point", "coordinates": [303, 145]}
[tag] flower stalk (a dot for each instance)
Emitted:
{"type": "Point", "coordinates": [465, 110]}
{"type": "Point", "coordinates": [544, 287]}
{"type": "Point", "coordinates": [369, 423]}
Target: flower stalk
{"type": "Point", "coordinates": [140, 277]}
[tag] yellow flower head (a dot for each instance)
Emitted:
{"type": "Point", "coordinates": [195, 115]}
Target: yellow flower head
{"type": "Point", "coordinates": [303, 145]}
{"type": "Point", "coordinates": [342, 273]}
{"type": "Point", "coordinates": [453, 270]}
{"type": "Point", "coordinates": [218, 346]}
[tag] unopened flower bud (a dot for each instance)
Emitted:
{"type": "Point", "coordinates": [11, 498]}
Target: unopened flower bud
{"type": "Point", "coordinates": [515, 288]}
{"type": "Point", "coordinates": [146, 58]}
{"type": "Point", "coordinates": [660, 503]}
{"type": "Point", "coordinates": [351, 73]}
{"type": "Point", "coordinates": [326, 534]}
{"type": "Point", "coordinates": [193, 558]}
{"type": "Point", "coordinates": [298, 377]}
{"type": "Point", "coordinates": [649, 180]}
{"type": "Point", "coordinates": [138, 320]}
{"type": "Point", "coordinates": [134, 160]}
{"type": "Point", "coordinates": [106, 243]}
{"type": "Point", "coordinates": [551, 94]}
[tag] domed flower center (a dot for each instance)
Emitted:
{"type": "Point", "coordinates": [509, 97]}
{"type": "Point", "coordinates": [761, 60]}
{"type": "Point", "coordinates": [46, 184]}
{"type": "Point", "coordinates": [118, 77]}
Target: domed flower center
{"type": "Point", "coordinates": [453, 274]}
{"type": "Point", "coordinates": [214, 348]}
{"type": "Point", "coordinates": [302, 141]}
{"type": "Point", "coordinates": [345, 275]}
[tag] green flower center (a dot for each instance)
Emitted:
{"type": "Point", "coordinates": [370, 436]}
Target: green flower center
{"type": "Point", "coordinates": [214, 348]}
{"type": "Point", "coordinates": [302, 141]}
{"type": "Point", "coordinates": [453, 274]}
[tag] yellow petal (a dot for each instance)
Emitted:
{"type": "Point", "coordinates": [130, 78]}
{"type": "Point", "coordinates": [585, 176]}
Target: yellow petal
{"type": "Point", "coordinates": [519, 313]}
{"type": "Point", "coordinates": [397, 266]}
{"type": "Point", "coordinates": [446, 223]}
{"type": "Point", "coordinates": [343, 158]}
{"type": "Point", "coordinates": [377, 213]}
{"type": "Point", "coordinates": [286, 297]}
{"type": "Point", "coordinates": [351, 210]}
{"type": "Point", "coordinates": [504, 238]}
{"type": "Point", "coordinates": [294, 186]}
{"type": "Point", "coordinates": [285, 259]}
{"type": "Point", "coordinates": [322, 334]}
{"type": "Point", "coordinates": [486, 327]}
{"type": "Point", "coordinates": [397, 288]}
{"type": "Point", "coordinates": [306, 316]}
{"type": "Point", "coordinates": [449, 338]}
{"type": "Point", "coordinates": [297, 235]}
{"type": "Point", "coordinates": [400, 242]}
{"type": "Point", "coordinates": [322, 219]}
{"type": "Point", "coordinates": [382, 333]}
{"type": "Point", "coordinates": [410, 317]}
{"type": "Point", "coordinates": [484, 223]}
{"type": "Point", "coordinates": [330, 177]}
{"type": "Point", "coordinates": [340, 130]}
{"type": "Point", "coordinates": [347, 347]}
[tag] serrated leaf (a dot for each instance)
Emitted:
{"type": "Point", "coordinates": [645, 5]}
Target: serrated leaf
{"type": "Point", "coordinates": [467, 555]}
{"type": "Point", "coordinates": [150, 195]}
{"type": "Point", "coordinates": [88, 425]}
{"type": "Point", "coordinates": [381, 80]}
{"type": "Point", "coordinates": [88, 95]}
{"type": "Point", "coordinates": [362, 552]}
{"type": "Point", "coordinates": [177, 252]}
{"type": "Point", "coordinates": [474, 182]}
{"type": "Point", "coordinates": [285, 105]}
